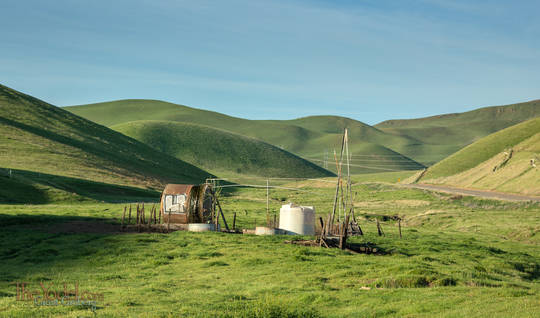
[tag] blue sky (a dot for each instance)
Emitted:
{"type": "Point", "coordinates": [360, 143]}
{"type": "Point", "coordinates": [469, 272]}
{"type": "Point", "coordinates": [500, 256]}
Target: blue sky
{"type": "Point", "coordinates": [368, 60]}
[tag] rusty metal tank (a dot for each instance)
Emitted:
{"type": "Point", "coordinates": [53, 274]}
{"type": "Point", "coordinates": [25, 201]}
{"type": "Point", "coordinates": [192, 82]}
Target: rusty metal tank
{"type": "Point", "coordinates": [186, 203]}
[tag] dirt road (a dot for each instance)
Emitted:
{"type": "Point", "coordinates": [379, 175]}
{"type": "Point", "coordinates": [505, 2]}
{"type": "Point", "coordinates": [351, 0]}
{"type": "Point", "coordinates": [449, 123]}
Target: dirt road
{"type": "Point", "coordinates": [477, 193]}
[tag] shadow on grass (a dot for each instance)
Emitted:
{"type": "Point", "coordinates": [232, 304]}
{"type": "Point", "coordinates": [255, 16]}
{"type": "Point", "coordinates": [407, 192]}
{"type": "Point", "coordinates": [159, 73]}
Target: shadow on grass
{"type": "Point", "coordinates": [357, 248]}
{"type": "Point", "coordinates": [32, 244]}
{"type": "Point", "coordinates": [21, 186]}
{"type": "Point", "coordinates": [367, 248]}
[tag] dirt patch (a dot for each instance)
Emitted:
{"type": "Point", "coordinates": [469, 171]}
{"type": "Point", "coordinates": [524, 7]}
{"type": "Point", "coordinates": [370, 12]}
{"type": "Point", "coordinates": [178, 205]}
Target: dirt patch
{"type": "Point", "coordinates": [428, 212]}
{"type": "Point", "coordinates": [417, 219]}
{"type": "Point", "coordinates": [370, 204]}
{"type": "Point", "coordinates": [382, 204]}
{"type": "Point", "coordinates": [84, 227]}
{"type": "Point", "coordinates": [314, 184]}
{"type": "Point", "coordinates": [411, 203]}
{"type": "Point", "coordinates": [248, 198]}
{"type": "Point", "coordinates": [109, 228]}
{"type": "Point", "coordinates": [479, 193]}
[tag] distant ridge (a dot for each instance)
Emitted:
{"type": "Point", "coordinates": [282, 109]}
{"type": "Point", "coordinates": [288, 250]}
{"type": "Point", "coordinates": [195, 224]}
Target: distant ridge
{"type": "Point", "coordinates": [415, 143]}
{"type": "Point", "coordinates": [309, 137]}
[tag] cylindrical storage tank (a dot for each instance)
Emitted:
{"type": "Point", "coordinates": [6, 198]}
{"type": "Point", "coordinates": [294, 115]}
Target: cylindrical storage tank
{"type": "Point", "coordinates": [200, 227]}
{"type": "Point", "coordinates": [297, 220]}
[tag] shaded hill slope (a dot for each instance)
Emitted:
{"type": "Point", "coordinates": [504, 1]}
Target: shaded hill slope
{"type": "Point", "coordinates": [507, 160]}
{"type": "Point", "coordinates": [308, 137]}
{"type": "Point", "coordinates": [20, 186]}
{"type": "Point", "coordinates": [220, 151]}
{"type": "Point", "coordinates": [36, 136]}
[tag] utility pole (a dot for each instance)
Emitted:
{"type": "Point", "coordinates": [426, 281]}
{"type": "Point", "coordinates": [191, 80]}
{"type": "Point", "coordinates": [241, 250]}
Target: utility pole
{"type": "Point", "coordinates": [267, 202]}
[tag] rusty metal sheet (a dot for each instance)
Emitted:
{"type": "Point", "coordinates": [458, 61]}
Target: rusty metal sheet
{"type": "Point", "coordinates": [181, 218]}
{"type": "Point", "coordinates": [178, 189]}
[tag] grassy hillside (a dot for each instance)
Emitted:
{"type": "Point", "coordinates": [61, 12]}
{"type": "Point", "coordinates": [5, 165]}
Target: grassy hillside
{"type": "Point", "coordinates": [445, 134]}
{"type": "Point", "coordinates": [220, 151]}
{"type": "Point", "coordinates": [500, 161]}
{"type": "Point", "coordinates": [309, 137]}
{"type": "Point", "coordinates": [36, 136]}
{"type": "Point", "coordinates": [424, 140]}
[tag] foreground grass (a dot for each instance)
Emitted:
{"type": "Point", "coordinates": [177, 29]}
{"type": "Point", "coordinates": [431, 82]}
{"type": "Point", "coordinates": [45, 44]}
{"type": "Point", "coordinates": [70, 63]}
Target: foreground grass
{"type": "Point", "coordinates": [459, 257]}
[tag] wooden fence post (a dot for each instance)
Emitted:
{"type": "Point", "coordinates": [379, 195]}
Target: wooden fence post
{"type": "Point", "coordinates": [139, 218]}
{"type": "Point", "coordinates": [143, 214]}
{"type": "Point", "coordinates": [169, 223]}
{"type": "Point", "coordinates": [123, 217]}
{"type": "Point", "coordinates": [379, 228]}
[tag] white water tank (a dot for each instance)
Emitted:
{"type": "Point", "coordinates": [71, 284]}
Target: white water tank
{"type": "Point", "coordinates": [297, 220]}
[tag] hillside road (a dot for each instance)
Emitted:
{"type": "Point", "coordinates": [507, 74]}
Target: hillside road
{"type": "Point", "coordinates": [477, 193]}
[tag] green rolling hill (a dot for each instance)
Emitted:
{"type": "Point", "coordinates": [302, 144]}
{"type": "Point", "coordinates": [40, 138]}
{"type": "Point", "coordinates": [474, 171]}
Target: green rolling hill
{"type": "Point", "coordinates": [36, 137]}
{"type": "Point", "coordinates": [219, 151]}
{"type": "Point", "coordinates": [445, 134]}
{"type": "Point", "coordinates": [309, 137]}
{"type": "Point", "coordinates": [507, 160]}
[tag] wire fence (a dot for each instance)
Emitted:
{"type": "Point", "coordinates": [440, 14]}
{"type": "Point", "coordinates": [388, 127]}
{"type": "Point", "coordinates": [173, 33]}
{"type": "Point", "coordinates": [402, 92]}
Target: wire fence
{"type": "Point", "coordinates": [371, 167]}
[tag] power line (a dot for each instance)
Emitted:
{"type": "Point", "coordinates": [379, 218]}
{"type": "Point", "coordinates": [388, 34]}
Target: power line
{"type": "Point", "coordinates": [272, 178]}
{"type": "Point", "coordinates": [374, 155]}
{"type": "Point", "coordinates": [258, 186]}
{"type": "Point", "coordinates": [389, 163]}
{"type": "Point", "coordinates": [369, 160]}
{"type": "Point", "coordinates": [369, 167]}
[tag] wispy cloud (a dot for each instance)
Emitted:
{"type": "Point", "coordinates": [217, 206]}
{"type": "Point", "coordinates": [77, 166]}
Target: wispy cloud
{"type": "Point", "coordinates": [250, 55]}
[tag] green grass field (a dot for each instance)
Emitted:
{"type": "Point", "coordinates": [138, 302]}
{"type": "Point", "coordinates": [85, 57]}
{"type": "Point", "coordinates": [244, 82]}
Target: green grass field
{"type": "Point", "coordinates": [459, 257]}
{"type": "Point", "coordinates": [38, 137]}
{"type": "Point", "coordinates": [221, 152]}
